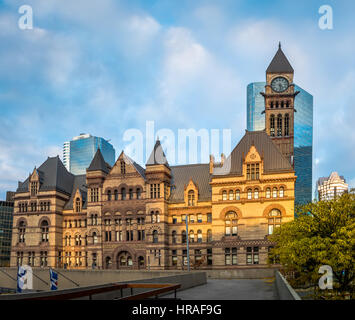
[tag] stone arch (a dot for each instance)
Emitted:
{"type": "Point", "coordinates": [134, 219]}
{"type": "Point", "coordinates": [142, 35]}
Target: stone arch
{"type": "Point", "coordinates": [22, 219]}
{"type": "Point", "coordinates": [44, 218]}
{"type": "Point", "coordinates": [228, 209]}
{"type": "Point", "coordinates": [268, 209]}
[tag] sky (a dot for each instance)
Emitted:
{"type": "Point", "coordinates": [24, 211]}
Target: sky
{"type": "Point", "coordinates": [107, 66]}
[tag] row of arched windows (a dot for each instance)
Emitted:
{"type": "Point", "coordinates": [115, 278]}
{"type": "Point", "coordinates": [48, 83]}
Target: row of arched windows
{"type": "Point", "coordinates": [43, 206]}
{"type": "Point", "coordinates": [122, 195]}
{"type": "Point", "coordinates": [44, 231]}
{"type": "Point", "coordinates": [254, 193]}
{"type": "Point", "coordinates": [231, 222]}
{"type": "Point", "coordinates": [280, 104]}
{"type": "Point", "coordinates": [280, 126]}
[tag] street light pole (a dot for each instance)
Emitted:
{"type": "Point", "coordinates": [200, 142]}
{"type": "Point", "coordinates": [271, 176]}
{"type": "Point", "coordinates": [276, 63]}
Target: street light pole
{"type": "Point", "coordinates": [187, 244]}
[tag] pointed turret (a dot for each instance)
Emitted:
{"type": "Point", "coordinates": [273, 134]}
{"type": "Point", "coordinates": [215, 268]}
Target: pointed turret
{"type": "Point", "coordinates": [279, 63]}
{"type": "Point", "coordinates": [98, 163]}
{"type": "Point", "coordinates": [157, 156]}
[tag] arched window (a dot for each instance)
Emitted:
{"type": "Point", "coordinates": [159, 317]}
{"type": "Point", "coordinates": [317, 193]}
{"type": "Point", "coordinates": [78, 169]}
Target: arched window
{"type": "Point", "coordinates": [157, 216]}
{"type": "Point", "coordinates": [271, 105]}
{"type": "Point", "coordinates": [249, 194]}
{"type": "Point", "coordinates": [281, 192]}
{"type": "Point", "coordinates": [192, 218]}
{"type": "Point", "coordinates": [139, 192]}
{"type": "Point", "coordinates": [256, 193]}
{"type": "Point", "coordinates": [224, 195]}
{"type": "Point", "coordinates": [268, 193]}
{"type": "Point", "coordinates": [192, 236]}
{"type": "Point", "coordinates": [279, 125]}
{"type": "Point", "coordinates": [115, 194]}
{"type": "Point", "coordinates": [231, 195]}
{"type": "Point", "coordinates": [153, 218]}
{"type": "Point", "coordinates": [274, 220]}
{"type": "Point", "coordinates": [274, 192]}
{"type": "Point", "coordinates": [130, 194]}
{"type": "Point", "coordinates": [191, 198]}
{"type": "Point", "coordinates": [272, 125]}
{"type": "Point", "coordinates": [94, 238]}
{"type": "Point", "coordinates": [209, 235]}
{"type": "Point", "coordinates": [282, 104]}
{"type": "Point", "coordinates": [109, 195]}
{"type": "Point", "coordinates": [183, 236]}
{"type": "Point", "coordinates": [108, 262]}
{"type": "Point", "coordinates": [155, 236]}
{"type": "Point", "coordinates": [231, 224]}
{"type": "Point", "coordinates": [44, 231]}
{"type": "Point", "coordinates": [199, 236]}
{"type": "Point", "coordinates": [123, 167]}
{"type": "Point", "coordinates": [174, 236]}
{"type": "Point", "coordinates": [237, 195]}
{"type": "Point", "coordinates": [123, 193]}
{"type": "Point", "coordinates": [21, 231]}
{"type": "Point", "coordinates": [287, 125]}
{"type": "Point", "coordinates": [77, 205]}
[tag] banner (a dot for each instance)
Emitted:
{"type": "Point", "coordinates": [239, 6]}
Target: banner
{"type": "Point", "coordinates": [24, 278]}
{"type": "Point", "coordinates": [53, 276]}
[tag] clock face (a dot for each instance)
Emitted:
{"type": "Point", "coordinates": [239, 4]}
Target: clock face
{"type": "Point", "coordinates": [279, 84]}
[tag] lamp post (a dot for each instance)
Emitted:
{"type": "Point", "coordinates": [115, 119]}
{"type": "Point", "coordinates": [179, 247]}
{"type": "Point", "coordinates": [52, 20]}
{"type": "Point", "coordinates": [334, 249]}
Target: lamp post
{"type": "Point", "coordinates": [187, 244]}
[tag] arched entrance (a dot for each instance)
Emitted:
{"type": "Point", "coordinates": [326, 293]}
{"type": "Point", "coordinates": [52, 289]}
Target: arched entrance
{"type": "Point", "coordinates": [124, 260]}
{"type": "Point", "coordinates": [141, 264]}
{"type": "Point", "coordinates": [108, 263]}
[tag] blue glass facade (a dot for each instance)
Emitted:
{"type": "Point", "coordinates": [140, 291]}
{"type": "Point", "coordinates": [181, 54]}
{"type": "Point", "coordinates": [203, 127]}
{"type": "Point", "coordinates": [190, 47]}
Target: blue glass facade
{"type": "Point", "coordinates": [303, 134]}
{"type": "Point", "coordinates": [82, 152]}
{"type": "Point", "coordinates": [255, 106]}
{"type": "Point", "coordinates": [6, 217]}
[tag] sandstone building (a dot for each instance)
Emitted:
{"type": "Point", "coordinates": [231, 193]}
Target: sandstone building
{"type": "Point", "coordinates": [127, 216]}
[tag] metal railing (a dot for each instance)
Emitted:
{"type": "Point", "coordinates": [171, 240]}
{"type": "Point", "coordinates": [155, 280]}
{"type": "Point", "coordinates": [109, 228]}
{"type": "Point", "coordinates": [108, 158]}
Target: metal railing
{"type": "Point", "coordinates": [90, 292]}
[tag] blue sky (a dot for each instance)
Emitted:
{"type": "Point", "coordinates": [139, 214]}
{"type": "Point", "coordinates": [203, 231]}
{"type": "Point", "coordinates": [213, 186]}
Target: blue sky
{"type": "Point", "coordinates": [105, 66]}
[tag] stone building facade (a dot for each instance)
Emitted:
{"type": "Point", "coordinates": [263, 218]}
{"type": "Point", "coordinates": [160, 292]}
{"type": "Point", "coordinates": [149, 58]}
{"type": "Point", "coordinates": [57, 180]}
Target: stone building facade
{"type": "Point", "coordinates": [130, 217]}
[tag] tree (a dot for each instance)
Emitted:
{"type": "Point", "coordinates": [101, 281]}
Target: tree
{"type": "Point", "coordinates": [322, 234]}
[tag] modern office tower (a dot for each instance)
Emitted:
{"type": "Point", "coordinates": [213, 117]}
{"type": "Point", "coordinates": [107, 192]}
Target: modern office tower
{"type": "Point", "coordinates": [79, 152]}
{"type": "Point", "coordinates": [66, 155]}
{"type": "Point", "coordinates": [6, 217]}
{"type": "Point", "coordinates": [331, 187]}
{"type": "Point", "coordinates": [303, 133]}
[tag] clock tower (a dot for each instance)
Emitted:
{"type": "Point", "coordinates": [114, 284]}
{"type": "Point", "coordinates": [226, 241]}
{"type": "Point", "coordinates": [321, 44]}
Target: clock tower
{"type": "Point", "coordinates": [279, 104]}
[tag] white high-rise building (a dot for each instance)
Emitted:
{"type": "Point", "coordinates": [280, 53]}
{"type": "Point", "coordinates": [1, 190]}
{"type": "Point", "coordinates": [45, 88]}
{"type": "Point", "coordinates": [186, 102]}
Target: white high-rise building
{"type": "Point", "coordinates": [66, 155]}
{"type": "Point", "coordinates": [331, 187]}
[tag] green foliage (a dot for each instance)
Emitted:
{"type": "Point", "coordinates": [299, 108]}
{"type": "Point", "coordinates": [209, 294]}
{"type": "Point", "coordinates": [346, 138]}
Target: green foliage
{"type": "Point", "coordinates": [322, 234]}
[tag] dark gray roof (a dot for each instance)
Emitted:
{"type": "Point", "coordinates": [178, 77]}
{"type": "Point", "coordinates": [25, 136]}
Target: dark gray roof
{"type": "Point", "coordinates": [139, 169]}
{"type": "Point", "coordinates": [98, 163]}
{"type": "Point", "coordinates": [181, 175]}
{"type": "Point", "coordinates": [280, 63]}
{"type": "Point", "coordinates": [79, 183]}
{"type": "Point", "coordinates": [157, 156]}
{"type": "Point", "coordinates": [53, 176]}
{"type": "Point", "coordinates": [274, 161]}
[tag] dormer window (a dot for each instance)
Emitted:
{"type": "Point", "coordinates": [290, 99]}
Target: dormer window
{"type": "Point", "coordinates": [191, 198]}
{"type": "Point", "coordinates": [77, 205]}
{"type": "Point", "coordinates": [253, 171]}
{"type": "Point", "coordinates": [34, 188]}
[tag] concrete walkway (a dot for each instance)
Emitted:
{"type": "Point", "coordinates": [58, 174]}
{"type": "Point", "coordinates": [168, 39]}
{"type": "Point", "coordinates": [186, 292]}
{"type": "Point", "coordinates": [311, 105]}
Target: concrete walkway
{"type": "Point", "coordinates": [235, 289]}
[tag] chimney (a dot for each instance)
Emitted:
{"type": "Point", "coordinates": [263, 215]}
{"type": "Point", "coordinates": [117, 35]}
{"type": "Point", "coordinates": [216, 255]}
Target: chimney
{"type": "Point", "coordinates": [223, 159]}
{"type": "Point", "coordinates": [211, 163]}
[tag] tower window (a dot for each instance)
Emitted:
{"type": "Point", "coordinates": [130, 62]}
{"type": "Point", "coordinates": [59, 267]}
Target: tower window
{"type": "Point", "coordinates": [279, 125]}
{"type": "Point", "coordinates": [287, 125]}
{"type": "Point", "coordinates": [272, 125]}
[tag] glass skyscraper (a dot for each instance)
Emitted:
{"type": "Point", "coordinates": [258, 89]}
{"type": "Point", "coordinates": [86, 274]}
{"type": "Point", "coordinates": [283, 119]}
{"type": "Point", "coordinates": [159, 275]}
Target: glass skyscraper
{"type": "Point", "coordinates": [79, 152]}
{"type": "Point", "coordinates": [6, 216]}
{"type": "Point", "coordinates": [303, 134]}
